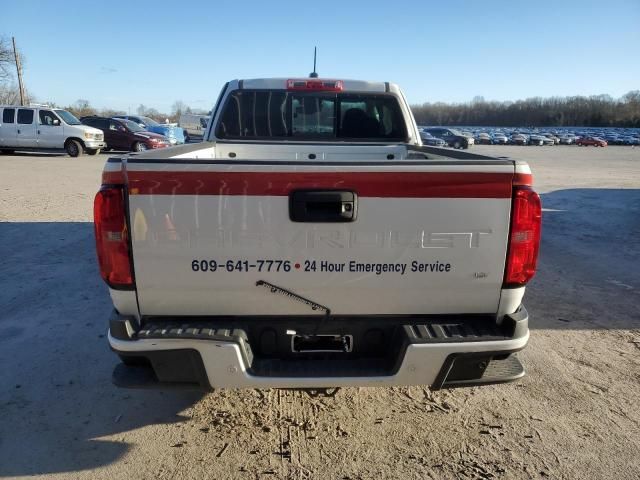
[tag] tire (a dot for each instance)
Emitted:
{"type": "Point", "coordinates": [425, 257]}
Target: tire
{"type": "Point", "coordinates": [7, 151]}
{"type": "Point", "coordinates": [456, 145]}
{"type": "Point", "coordinates": [73, 148]}
{"type": "Point", "coordinates": [139, 147]}
{"type": "Point", "coordinates": [93, 151]}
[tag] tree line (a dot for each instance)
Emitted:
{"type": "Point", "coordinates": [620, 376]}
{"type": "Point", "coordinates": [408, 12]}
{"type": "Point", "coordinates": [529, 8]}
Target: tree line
{"type": "Point", "coordinates": [578, 111]}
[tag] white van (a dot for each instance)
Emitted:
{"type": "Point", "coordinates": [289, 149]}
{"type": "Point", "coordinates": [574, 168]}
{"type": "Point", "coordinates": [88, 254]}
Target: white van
{"type": "Point", "coordinates": [46, 128]}
{"type": "Point", "coordinates": [193, 125]}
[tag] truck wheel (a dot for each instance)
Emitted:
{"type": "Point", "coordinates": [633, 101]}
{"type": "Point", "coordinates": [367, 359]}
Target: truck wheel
{"type": "Point", "coordinates": [93, 151]}
{"type": "Point", "coordinates": [139, 147]}
{"type": "Point", "coordinates": [73, 148]}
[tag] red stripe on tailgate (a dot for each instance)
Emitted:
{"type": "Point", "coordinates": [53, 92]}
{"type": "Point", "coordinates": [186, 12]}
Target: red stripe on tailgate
{"type": "Point", "coordinates": [365, 184]}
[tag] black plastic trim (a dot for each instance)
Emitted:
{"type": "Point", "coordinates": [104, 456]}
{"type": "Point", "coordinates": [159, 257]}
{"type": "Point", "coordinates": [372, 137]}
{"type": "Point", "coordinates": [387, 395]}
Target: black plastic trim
{"type": "Point", "coordinates": [514, 325]}
{"type": "Point", "coordinates": [214, 113]}
{"type": "Point", "coordinates": [122, 288]}
{"type": "Point", "coordinates": [122, 327]}
{"type": "Point", "coordinates": [457, 154]}
{"type": "Point", "coordinates": [488, 357]}
{"type": "Point", "coordinates": [518, 322]}
{"type": "Point", "coordinates": [143, 377]}
{"type": "Point", "coordinates": [179, 368]}
{"type": "Point", "coordinates": [323, 206]}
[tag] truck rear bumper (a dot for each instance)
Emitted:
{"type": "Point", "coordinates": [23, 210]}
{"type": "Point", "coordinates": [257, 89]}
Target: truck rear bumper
{"type": "Point", "coordinates": [441, 353]}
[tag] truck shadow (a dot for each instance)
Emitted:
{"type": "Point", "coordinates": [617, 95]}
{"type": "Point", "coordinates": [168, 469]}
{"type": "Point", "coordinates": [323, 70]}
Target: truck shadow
{"type": "Point", "coordinates": [60, 412]}
{"type": "Point", "coordinates": [590, 245]}
{"type": "Point", "coordinates": [45, 154]}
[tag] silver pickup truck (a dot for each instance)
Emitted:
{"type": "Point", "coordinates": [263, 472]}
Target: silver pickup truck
{"type": "Point", "coordinates": [312, 241]}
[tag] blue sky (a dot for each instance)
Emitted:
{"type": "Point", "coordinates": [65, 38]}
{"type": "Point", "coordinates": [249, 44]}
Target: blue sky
{"type": "Point", "coordinates": [122, 54]}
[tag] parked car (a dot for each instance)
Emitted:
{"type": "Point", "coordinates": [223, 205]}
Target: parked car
{"type": "Point", "coordinates": [193, 125]}
{"type": "Point", "coordinates": [519, 139]}
{"type": "Point", "coordinates": [174, 133]}
{"type": "Point", "coordinates": [45, 128]}
{"type": "Point", "coordinates": [536, 140]}
{"type": "Point", "coordinates": [467, 133]}
{"type": "Point", "coordinates": [483, 138]}
{"type": "Point", "coordinates": [499, 139]}
{"type": "Point", "coordinates": [452, 138]}
{"type": "Point", "coordinates": [593, 141]}
{"type": "Point", "coordinates": [428, 139]}
{"type": "Point", "coordinates": [566, 139]}
{"type": "Point", "coordinates": [122, 134]}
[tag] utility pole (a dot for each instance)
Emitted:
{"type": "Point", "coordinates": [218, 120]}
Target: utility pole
{"type": "Point", "coordinates": [19, 69]}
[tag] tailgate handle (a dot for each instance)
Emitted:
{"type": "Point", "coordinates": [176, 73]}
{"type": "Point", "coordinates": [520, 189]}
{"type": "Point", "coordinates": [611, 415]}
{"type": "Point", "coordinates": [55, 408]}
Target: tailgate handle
{"type": "Point", "coordinates": [323, 206]}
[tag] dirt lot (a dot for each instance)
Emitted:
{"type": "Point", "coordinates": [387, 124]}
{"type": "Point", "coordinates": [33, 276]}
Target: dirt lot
{"type": "Point", "coordinates": [575, 415]}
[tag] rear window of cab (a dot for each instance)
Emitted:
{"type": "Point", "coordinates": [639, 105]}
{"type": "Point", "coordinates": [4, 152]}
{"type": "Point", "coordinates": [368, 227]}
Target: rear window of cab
{"type": "Point", "coordinates": [323, 116]}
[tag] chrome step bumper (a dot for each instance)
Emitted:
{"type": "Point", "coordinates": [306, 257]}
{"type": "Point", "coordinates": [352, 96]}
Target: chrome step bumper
{"type": "Point", "coordinates": [445, 353]}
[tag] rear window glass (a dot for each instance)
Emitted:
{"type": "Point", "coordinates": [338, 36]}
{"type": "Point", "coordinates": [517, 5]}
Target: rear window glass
{"type": "Point", "coordinates": [312, 116]}
{"type": "Point", "coordinates": [8, 115]}
{"type": "Point", "coordinates": [274, 114]}
{"type": "Point", "coordinates": [25, 117]}
{"type": "Point", "coordinates": [255, 114]}
{"type": "Point", "coordinates": [363, 116]}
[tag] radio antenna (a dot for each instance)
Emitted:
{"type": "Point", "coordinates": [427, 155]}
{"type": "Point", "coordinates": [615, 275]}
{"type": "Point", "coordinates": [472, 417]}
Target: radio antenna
{"type": "Point", "coordinates": [314, 74]}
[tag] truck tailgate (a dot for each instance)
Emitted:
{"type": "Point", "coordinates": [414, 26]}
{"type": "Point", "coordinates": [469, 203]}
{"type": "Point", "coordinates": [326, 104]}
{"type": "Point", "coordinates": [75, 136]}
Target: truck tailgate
{"type": "Point", "coordinates": [216, 237]}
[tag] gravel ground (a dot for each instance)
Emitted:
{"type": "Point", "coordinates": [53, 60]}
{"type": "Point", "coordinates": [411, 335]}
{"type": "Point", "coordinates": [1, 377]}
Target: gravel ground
{"type": "Point", "coordinates": [575, 415]}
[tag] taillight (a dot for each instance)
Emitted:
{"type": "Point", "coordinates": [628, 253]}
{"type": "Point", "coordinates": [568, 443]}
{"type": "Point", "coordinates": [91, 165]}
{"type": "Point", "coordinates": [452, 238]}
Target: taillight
{"type": "Point", "coordinates": [315, 85]}
{"type": "Point", "coordinates": [112, 240]}
{"type": "Point", "coordinates": [524, 237]}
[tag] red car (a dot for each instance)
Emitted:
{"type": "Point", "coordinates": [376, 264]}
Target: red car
{"type": "Point", "coordinates": [120, 134]}
{"type": "Point", "coordinates": [595, 141]}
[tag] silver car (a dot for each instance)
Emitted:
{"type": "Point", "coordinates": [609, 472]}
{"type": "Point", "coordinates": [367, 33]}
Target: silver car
{"type": "Point", "coordinates": [499, 139]}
